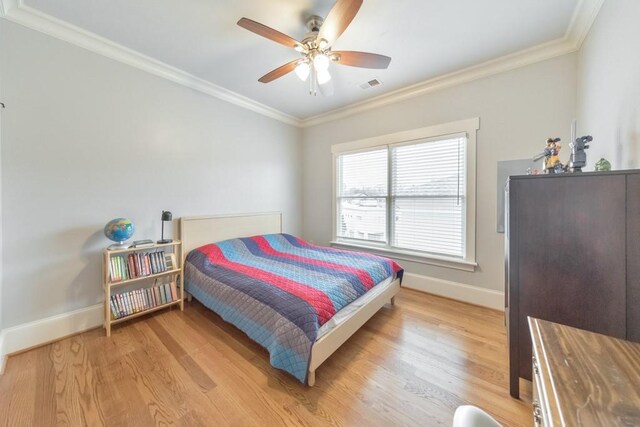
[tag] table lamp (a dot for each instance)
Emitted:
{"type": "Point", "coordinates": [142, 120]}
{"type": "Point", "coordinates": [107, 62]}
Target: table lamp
{"type": "Point", "coordinates": [166, 216]}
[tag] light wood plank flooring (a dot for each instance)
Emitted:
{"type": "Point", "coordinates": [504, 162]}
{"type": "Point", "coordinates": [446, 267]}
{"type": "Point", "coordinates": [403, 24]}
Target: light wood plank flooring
{"type": "Point", "coordinates": [411, 364]}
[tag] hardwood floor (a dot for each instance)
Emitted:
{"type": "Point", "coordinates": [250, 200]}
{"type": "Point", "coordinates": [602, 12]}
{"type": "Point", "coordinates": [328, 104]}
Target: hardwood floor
{"type": "Point", "coordinates": [411, 364]}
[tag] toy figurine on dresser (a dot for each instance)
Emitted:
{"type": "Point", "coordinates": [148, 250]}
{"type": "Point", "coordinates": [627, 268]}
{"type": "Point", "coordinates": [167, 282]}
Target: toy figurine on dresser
{"type": "Point", "coordinates": [578, 158]}
{"type": "Point", "coordinates": [551, 154]}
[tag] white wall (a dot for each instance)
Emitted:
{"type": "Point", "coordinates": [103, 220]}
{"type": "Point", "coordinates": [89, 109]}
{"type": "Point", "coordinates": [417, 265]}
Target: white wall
{"type": "Point", "coordinates": [609, 85]}
{"type": "Point", "coordinates": [86, 139]}
{"type": "Point", "coordinates": [518, 110]}
{"type": "Point", "coordinates": [2, 44]}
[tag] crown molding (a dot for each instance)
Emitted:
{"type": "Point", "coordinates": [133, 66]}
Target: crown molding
{"type": "Point", "coordinates": [16, 11]}
{"type": "Point", "coordinates": [4, 7]}
{"type": "Point", "coordinates": [583, 17]}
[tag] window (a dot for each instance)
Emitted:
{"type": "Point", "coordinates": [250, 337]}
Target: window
{"type": "Point", "coordinates": [410, 193]}
{"type": "Point", "coordinates": [362, 196]}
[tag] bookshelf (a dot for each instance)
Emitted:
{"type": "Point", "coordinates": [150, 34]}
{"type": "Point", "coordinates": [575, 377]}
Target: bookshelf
{"type": "Point", "coordinates": [141, 280]}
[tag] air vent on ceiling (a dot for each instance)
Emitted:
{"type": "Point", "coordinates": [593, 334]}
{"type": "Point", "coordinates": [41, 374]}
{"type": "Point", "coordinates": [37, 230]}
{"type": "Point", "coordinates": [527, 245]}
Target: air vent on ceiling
{"type": "Point", "coordinates": [370, 83]}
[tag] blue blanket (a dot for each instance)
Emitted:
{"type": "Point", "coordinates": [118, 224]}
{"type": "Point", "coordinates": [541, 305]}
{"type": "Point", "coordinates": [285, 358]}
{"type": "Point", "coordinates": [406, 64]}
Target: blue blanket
{"type": "Point", "coordinates": [279, 289]}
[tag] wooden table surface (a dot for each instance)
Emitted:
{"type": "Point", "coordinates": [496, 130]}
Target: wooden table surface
{"type": "Point", "coordinates": [594, 379]}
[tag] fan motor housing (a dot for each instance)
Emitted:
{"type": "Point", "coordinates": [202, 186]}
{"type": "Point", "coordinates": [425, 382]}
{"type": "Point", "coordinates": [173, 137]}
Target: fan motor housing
{"type": "Point", "coordinates": [314, 22]}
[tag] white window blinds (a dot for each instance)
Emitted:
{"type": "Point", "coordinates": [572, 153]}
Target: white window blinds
{"type": "Point", "coordinates": [362, 196]}
{"type": "Point", "coordinates": [428, 196]}
{"type": "Point", "coordinates": [409, 196]}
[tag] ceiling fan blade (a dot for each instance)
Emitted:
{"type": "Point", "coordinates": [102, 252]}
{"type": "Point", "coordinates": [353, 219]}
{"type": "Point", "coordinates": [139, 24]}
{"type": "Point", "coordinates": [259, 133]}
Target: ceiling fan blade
{"type": "Point", "coordinates": [361, 59]}
{"type": "Point", "coordinates": [338, 19]}
{"type": "Point", "coordinates": [268, 32]}
{"type": "Point", "coordinates": [279, 72]}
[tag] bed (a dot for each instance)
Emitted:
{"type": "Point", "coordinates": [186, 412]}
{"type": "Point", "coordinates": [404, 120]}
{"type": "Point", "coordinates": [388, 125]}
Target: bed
{"type": "Point", "coordinates": [251, 253]}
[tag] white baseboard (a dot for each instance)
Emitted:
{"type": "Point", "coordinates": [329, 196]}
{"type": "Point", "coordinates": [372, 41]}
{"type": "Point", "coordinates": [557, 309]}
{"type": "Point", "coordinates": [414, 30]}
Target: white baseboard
{"type": "Point", "coordinates": [3, 357]}
{"type": "Point", "coordinates": [458, 291]}
{"type": "Point", "coordinates": [27, 335]}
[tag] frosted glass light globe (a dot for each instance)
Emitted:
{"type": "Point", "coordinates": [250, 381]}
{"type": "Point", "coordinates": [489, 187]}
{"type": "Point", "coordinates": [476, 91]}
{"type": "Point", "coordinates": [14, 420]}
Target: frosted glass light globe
{"type": "Point", "coordinates": [323, 76]}
{"type": "Point", "coordinates": [302, 71]}
{"type": "Point", "coordinates": [321, 62]}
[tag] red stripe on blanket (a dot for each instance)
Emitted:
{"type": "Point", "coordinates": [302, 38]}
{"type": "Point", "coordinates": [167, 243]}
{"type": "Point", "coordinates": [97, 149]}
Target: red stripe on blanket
{"type": "Point", "coordinates": [364, 277]}
{"type": "Point", "coordinates": [317, 299]}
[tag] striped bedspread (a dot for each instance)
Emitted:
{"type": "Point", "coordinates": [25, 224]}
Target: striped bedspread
{"type": "Point", "coordinates": [279, 290]}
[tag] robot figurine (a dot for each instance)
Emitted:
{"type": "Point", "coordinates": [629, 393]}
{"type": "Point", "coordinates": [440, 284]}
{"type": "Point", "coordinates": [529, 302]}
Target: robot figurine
{"type": "Point", "coordinates": [578, 158]}
{"type": "Point", "coordinates": [551, 154]}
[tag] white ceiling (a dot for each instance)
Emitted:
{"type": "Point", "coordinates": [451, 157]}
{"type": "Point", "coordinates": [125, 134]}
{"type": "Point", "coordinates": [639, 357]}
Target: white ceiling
{"type": "Point", "coordinates": [425, 38]}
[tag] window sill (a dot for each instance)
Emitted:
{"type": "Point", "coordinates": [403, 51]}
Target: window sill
{"type": "Point", "coordinates": [446, 262]}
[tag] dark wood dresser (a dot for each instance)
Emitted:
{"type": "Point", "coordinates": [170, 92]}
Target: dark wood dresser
{"type": "Point", "coordinates": [572, 257]}
{"type": "Point", "coordinates": [582, 378]}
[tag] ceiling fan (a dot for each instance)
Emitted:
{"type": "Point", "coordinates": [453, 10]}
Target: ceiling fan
{"type": "Point", "coordinates": [315, 48]}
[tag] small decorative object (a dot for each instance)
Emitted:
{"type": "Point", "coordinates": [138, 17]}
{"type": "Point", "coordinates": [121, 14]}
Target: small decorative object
{"type": "Point", "coordinates": [141, 243]}
{"type": "Point", "coordinates": [578, 158]}
{"type": "Point", "coordinates": [166, 216]}
{"type": "Point", "coordinates": [119, 230]}
{"type": "Point", "coordinates": [551, 154]}
{"type": "Point", "coordinates": [603, 165]}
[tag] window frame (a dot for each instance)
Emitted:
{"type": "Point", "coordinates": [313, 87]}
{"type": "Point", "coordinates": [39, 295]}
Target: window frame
{"type": "Point", "coordinates": [468, 127]}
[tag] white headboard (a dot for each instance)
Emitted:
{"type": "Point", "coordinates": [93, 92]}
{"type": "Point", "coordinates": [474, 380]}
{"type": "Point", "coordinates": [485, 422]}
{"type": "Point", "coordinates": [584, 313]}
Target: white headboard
{"type": "Point", "coordinates": [201, 230]}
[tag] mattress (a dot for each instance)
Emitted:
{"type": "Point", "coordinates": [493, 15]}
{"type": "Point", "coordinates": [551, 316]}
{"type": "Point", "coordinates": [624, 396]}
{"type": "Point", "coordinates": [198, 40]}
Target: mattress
{"type": "Point", "coordinates": [280, 290]}
{"type": "Point", "coordinates": [344, 314]}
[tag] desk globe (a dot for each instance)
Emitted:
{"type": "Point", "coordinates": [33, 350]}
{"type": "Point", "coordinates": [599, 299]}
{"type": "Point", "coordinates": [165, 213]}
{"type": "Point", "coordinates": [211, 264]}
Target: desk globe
{"type": "Point", "coordinates": [119, 230]}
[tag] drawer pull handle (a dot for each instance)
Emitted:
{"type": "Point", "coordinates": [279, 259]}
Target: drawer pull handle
{"type": "Point", "coordinates": [536, 369]}
{"type": "Point", "coordinates": [537, 413]}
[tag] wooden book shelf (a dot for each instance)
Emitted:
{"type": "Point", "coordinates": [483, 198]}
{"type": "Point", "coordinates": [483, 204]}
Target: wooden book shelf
{"type": "Point", "coordinates": [121, 279]}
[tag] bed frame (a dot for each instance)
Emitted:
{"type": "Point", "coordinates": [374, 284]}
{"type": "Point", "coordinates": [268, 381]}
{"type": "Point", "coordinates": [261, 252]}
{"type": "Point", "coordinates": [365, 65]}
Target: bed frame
{"type": "Point", "coordinates": [198, 231]}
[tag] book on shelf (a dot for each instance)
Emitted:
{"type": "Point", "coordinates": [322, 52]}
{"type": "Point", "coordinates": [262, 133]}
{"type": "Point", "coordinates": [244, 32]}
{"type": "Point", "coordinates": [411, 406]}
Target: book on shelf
{"type": "Point", "coordinates": [124, 304]}
{"type": "Point", "coordinates": [163, 296]}
{"type": "Point", "coordinates": [174, 291]}
{"type": "Point", "coordinates": [154, 263]}
{"type": "Point", "coordinates": [156, 292]}
{"type": "Point", "coordinates": [136, 301]}
{"type": "Point", "coordinates": [112, 305]}
{"type": "Point", "coordinates": [119, 305]}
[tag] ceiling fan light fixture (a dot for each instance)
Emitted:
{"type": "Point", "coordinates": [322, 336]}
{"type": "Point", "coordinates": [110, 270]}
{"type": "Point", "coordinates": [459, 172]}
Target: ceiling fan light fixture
{"type": "Point", "coordinates": [321, 62]}
{"type": "Point", "coordinates": [302, 70]}
{"type": "Point", "coordinates": [323, 76]}
{"type": "Point", "coordinates": [315, 47]}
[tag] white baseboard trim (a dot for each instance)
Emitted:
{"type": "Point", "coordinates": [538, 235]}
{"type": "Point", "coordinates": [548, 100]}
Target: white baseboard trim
{"type": "Point", "coordinates": [27, 335]}
{"type": "Point", "coordinates": [3, 357]}
{"type": "Point", "coordinates": [458, 291]}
